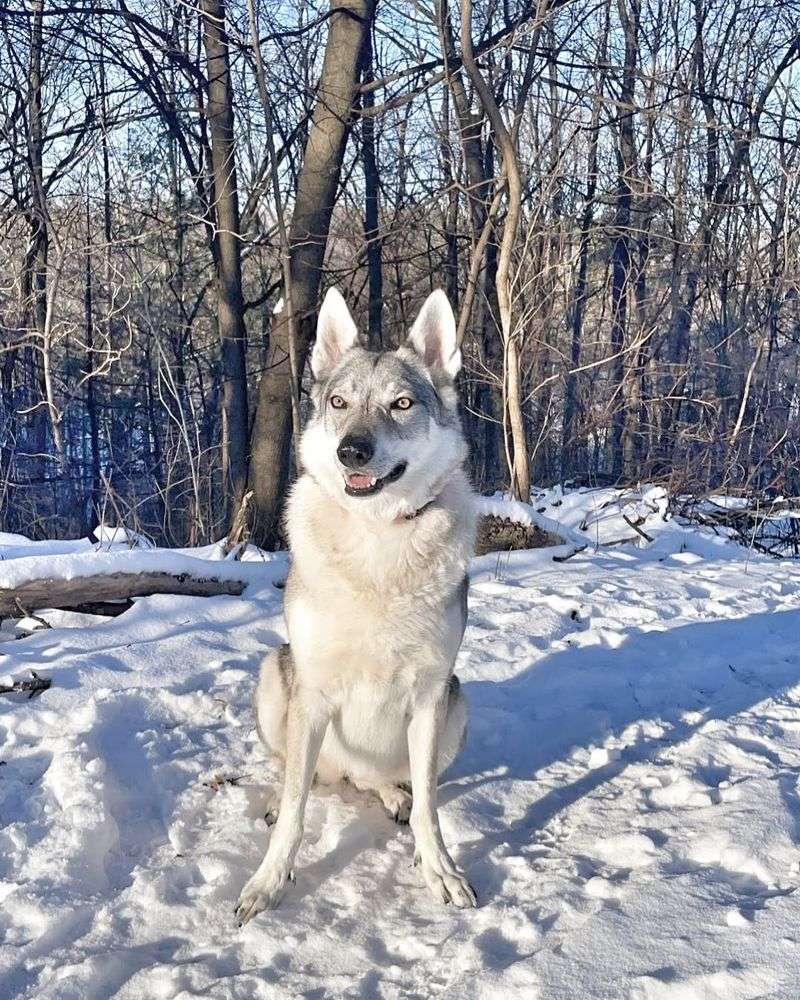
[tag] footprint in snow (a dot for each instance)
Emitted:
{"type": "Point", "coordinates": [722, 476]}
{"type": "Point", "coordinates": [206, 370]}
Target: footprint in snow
{"type": "Point", "coordinates": [686, 792]}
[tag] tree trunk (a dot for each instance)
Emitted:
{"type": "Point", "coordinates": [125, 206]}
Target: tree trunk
{"type": "Point", "coordinates": [227, 252]}
{"type": "Point", "coordinates": [371, 208]}
{"type": "Point", "coordinates": [92, 506]}
{"type": "Point", "coordinates": [479, 195]}
{"type": "Point", "coordinates": [34, 284]}
{"type": "Point", "coordinates": [316, 191]}
{"type": "Point", "coordinates": [621, 254]}
{"type": "Point", "coordinates": [516, 443]}
{"type": "Point", "coordinates": [573, 435]}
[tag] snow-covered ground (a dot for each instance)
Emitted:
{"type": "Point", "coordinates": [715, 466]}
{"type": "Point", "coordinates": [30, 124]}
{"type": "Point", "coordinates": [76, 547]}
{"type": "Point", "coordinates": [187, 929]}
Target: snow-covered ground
{"type": "Point", "coordinates": [627, 804]}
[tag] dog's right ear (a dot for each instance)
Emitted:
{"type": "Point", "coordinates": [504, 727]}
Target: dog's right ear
{"type": "Point", "coordinates": [433, 335]}
{"type": "Point", "coordinates": [336, 334]}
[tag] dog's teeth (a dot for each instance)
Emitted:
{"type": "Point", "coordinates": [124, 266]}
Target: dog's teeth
{"type": "Point", "coordinates": [372, 481]}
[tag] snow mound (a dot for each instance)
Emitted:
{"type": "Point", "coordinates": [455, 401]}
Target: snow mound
{"type": "Point", "coordinates": [108, 536]}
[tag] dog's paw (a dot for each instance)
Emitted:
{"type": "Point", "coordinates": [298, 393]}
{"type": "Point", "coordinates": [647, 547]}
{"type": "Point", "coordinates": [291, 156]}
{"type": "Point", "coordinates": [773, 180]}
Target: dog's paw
{"type": "Point", "coordinates": [397, 802]}
{"type": "Point", "coordinates": [272, 802]}
{"type": "Point", "coordinates": [448, 884]}
{"type": "Point", "coordinates": [261, 892]}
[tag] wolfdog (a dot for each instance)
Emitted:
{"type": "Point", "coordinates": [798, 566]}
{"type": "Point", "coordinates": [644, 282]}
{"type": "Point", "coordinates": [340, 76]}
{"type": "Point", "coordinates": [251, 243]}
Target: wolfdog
{"type": "Point", "coordinates": [381, 526]}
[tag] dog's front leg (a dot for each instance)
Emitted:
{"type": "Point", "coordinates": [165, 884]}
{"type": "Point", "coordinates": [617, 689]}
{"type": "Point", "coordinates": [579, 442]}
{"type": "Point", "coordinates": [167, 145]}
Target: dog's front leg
{"type": "Point", "coordinates": [444, 880]}
{"type": "Point", "coordinates": [306, 722]}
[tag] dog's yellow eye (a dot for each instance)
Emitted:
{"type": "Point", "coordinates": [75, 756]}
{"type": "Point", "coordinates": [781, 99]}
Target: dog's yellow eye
{"type": "Point", "coordinates": [338, 403]}
{"type": "Point", "coordinates": [403, 403]}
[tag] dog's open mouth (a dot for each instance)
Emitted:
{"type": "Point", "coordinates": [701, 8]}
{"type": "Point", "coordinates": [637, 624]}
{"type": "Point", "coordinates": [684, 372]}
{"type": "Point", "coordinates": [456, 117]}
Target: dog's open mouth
{"type": "Point", "coordinates": [359, 484]}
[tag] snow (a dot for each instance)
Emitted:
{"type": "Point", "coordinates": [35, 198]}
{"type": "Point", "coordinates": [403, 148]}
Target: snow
{"type": "Point", "coordinates": [594, 518]}
{"type": "Point", "coordinates": [626, 806]}
{"type": "Point", "coordinates": [109, 536]}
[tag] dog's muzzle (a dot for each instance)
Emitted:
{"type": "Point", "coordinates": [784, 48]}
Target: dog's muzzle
{"type": "Point", "coordinates": [354, 452]}
{"type": "Point", "coordinates": [361, 484]}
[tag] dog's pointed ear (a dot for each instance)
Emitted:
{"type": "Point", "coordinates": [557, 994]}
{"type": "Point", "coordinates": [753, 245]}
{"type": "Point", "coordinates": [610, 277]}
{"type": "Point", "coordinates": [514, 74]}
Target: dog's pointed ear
{"type": "Point", "coordinates": [433, 335]}
{"type": "Point", "coordinates": [336, 334]}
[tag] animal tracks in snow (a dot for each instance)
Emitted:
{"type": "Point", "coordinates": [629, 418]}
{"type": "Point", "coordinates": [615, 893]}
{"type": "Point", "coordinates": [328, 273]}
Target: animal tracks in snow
{"type": "Point", "coordinates": [684, 792]}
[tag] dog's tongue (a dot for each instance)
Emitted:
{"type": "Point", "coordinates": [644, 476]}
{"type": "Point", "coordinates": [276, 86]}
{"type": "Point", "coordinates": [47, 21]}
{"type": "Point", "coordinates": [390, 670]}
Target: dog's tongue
{"type": "Point", "coordinates": [359, 481]}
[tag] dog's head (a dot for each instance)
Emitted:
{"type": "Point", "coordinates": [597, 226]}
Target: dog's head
{"type": "Point", "coordinates": [385, 433]}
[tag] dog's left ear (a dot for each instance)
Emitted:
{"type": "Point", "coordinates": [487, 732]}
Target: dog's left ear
{"type": "Point", "coordinates": [433, 335]}
{"type": "Point", "coordinates": [336, 334]}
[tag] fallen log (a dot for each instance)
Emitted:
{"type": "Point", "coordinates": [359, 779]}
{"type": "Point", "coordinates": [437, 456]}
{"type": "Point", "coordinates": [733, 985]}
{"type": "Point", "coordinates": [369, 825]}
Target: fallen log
{"type": "Point", "coordinates": [104, 609]}
{"type": "Point", "coordinates": [34, 595]}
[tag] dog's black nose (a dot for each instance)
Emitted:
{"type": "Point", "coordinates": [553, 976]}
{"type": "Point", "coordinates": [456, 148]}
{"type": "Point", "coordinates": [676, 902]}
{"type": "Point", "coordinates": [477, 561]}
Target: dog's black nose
{"type": "Point", "coordinates": [355, 450]}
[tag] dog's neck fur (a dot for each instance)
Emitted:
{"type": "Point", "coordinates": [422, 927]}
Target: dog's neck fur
{"type": "Point", "coordinates": [408, 555]}
{"type": "Point", "coordinates": [434, 493]}
{"type": "Point", "coordinates": [416, 513]}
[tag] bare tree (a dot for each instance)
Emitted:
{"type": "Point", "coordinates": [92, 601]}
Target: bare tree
{"type": "Point", "coordinates": [316, 191]}
{"type": "Point", "coordinates": [227, 252]}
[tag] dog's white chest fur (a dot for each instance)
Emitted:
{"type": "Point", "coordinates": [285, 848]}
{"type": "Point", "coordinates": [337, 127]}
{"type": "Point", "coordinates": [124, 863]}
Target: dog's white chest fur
{"type": "Point", "coordinates": [375, 604]}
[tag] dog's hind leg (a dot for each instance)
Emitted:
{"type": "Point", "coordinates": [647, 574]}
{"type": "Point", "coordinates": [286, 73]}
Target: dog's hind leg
{"type": "Point", "coordinates": [454, 727]}
{"type": "Point", "coordinates": [270, 704]}
{"type": "Point", "coordinates": [271, 698]}
{"type": "Point", "coordinates": [272, 802]}
{"type": "Point", "coordinates": [396, 800]}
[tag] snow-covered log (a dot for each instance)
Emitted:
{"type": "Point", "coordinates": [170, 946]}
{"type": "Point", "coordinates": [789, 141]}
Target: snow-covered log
{"type": "Point", "coordinates": [80, 591]}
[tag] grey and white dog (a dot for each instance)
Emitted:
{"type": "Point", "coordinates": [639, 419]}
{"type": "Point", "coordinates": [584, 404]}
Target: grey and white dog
{"type": "Point", "coordinates": [381, 526]}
